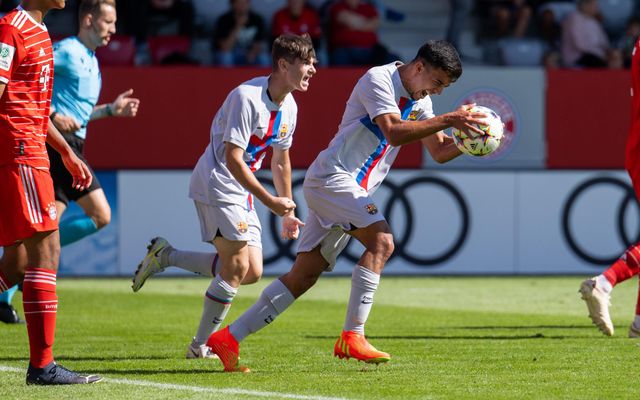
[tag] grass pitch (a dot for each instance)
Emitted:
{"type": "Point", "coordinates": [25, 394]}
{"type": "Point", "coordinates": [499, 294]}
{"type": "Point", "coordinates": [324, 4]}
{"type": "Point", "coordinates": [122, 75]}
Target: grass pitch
{"type": "Point", "coordinates": [449, 338]}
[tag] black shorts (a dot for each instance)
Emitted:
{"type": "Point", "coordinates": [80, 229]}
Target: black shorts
{"type": "Point", "coordinates": [62, 180]}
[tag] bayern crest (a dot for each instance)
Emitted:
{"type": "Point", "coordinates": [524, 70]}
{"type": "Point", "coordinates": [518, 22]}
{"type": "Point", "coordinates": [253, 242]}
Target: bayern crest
{"type": "Point", "coordinates": [500, 103]}
{"type": "Point", "coordinates": [52, 211]}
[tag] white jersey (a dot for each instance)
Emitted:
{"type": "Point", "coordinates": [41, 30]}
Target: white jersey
{"type": "Point", "coordinates": [250, 120]}
{"type": "Point", "coordinates": [359, 152]}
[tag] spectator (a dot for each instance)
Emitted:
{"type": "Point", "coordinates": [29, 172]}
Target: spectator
{"type": "Point", "coordinates": [239, 37]}
{"type": "Point", "coordinates": [297, 18]}
{"type": "Point", "coordinates": [164, 18]}
{"type": "Point", "coordinates": [584, 41]}
{"type": "Point", "coordinates": [500, 19]}
{"type": "Point", "coordinates": [353, 34]}
{"type": "Point", "coordinates": [627, 43]}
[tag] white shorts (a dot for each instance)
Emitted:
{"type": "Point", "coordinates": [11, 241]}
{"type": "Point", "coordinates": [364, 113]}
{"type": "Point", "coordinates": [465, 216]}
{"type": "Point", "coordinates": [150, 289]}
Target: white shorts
{"type": "Point", "coordinates": [232, 222]}
{"type": "Point", "coordinates": [332, 211]}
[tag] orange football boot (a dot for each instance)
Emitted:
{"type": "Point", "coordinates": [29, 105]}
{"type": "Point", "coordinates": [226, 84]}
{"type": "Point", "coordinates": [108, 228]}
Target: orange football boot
{"type": "Point", "coordinates": [355, 345]}
{"type": "Point", "coordinates": [227, 348]}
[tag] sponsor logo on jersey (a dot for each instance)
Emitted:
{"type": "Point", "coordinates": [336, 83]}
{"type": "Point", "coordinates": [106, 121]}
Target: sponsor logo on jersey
{"type": "Point", "coordinates": [371, 209]}
{"type": "Point", "coordinates": [283, 131]}
{"type": "Point", "coordinates": [51, 209]}
{"type": "Point", "coordinates": [42, 53]}
{"type": "Point", "coordinates": [6, 56]}
{"type": "Point", "coordinates": [242, 227]}
{"type": "Point", "coordinates": [413, 115]}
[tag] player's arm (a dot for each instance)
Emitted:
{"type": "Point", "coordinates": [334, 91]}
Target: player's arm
{"type": "Point", "coordinates": [78, 170]}
{"type": "Point", "coordinates": [281, 171]}
{"type": "Point", "coordinates": [441, 147]}
{"type": "Point", "coordinates": [123, 106]}
{"type": "Point", "coordinates": [399, 132]}
{"type": "Point", "coordinates": [241, 172]}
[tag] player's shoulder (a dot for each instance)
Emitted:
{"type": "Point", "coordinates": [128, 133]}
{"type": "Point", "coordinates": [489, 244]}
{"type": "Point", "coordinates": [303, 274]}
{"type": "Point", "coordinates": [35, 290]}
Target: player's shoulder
{"type": "Point", "coordinates": [251, 89]}
{"type": "Point", "coordinates": [8, 23]}
{"type": "Point", "coordinates": [380, 73]}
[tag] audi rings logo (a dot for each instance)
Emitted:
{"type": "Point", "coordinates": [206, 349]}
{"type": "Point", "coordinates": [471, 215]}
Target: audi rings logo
{"type": "Point", "coordinates": [500, 103]}
{"type": "Point", "coordinates": [398, 204]}
{"type": "Point", "coordinates": [623, 207]}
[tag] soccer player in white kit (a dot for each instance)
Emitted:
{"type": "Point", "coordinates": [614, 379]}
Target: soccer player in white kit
{"type": "Point", "coordinates": [389, 107]}
{"type": "Point", "coordinates": [258, 114]}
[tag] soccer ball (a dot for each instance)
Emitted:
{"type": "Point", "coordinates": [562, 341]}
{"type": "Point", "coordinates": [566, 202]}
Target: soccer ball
{"type": "Point", "coordinates": [478, 145]}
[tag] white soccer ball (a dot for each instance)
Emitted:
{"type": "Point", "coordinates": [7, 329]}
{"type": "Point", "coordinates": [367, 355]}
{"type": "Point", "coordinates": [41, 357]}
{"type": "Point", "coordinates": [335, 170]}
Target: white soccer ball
{"type": "Point", "coordinates": [474, 144]}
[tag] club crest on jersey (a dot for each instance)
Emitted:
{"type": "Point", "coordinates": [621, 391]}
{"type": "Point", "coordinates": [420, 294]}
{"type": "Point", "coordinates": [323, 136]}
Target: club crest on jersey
{"type": "Point", "coordinates": [6, 56]}
{"type": "Point", "coordinates": [283, 131]}
{"type": "Point", "coordinates": [413, 115]}
{"type": "Point", "coordinates": [371, 209]}
{"type": "Point", "coordinates": [52, 211]}
{"type": "Point", "coordinates": [242, 227]}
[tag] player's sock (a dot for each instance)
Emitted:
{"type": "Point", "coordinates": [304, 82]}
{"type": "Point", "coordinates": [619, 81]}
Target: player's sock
{"type": "Point", "coordinates": [364, 283]}
{"type": "Point", "coordinates": [626, 266]}
{"type": "Point", "coordinates": [40, 306]}
{"type": "Point", "coordinates": [4, 283]}
{"type": "Point", "coordinates": [217, 302]}
{"type": "Point", "coordinates": [200, 263]}
{"type": "Point", "coordinates": [273, 301]}
{"type": "Point", "coordinates": [7, 295]}
{"type": "Point", "coordinates": [75, 228]}
{"type": "Point", "coordinates": [603, 284]}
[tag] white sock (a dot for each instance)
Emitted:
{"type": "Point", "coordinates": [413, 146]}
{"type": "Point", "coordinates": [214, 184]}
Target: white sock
{"type": "Point", "coordinates": [603, 284]}
{"type": "Point", "coordinates": [200, 263]}
{"type": "Point", "coordinates": [217, 301]}
{"type": "Point", "coordinates": [274, 299]}
{"type": "Point", "coordinates": [364, 283]}
{"type": "Point", "coordinates": [636, 321]}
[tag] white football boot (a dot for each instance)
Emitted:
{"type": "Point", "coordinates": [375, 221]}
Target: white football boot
{"type": "Point", "coordinates": [598, 303]}
{"type": "Point", "coordinates": [152, 263]}
{"type": "Point", "coordinates": [200, 351]}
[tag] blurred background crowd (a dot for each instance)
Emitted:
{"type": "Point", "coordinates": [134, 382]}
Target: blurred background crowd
{"type": "Point", "coordinates": [550, 33]}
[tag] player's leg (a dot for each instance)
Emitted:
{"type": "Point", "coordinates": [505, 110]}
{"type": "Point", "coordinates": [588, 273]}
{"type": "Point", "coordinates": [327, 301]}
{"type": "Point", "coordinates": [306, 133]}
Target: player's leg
{"type": "Point", "coordinates": [12, 267]}
{"type": "Point", "coordinates": [273, 301]}
{"type": "Point", "coordinates": [634, 329]}
{"type": "Point", "coordinates": [97, 215]}
{"type": "Point", "coordinates": [317, 252]}
{"type": "Point", "coordinates": [378, 243]}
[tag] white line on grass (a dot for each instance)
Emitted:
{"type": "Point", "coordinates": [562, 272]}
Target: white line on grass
{"type": "Point", "coordinates": [200, 389]}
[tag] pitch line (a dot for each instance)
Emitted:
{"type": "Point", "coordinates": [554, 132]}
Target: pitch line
{"type": "Point", "coordinates": [198, 389]}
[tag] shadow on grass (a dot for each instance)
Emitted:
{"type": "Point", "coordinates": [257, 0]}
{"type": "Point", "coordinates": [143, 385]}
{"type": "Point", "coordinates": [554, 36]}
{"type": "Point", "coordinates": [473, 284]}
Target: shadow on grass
{"type": "Point", "coordinates": [113, 373]}
{"type": "Point", "coordinates": [62, 358]}
{"type": "Point", "coordinates": [522, 327]}
{"type": "Point", "coordinates": [465, 337]}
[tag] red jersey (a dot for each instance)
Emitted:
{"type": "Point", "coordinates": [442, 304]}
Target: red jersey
{"type": "Point", "coordinates": [307, 22]}
{"type": "Point", "coordinates": [26, 67]}
{"type": "Point", "coordinates": [343, 36]}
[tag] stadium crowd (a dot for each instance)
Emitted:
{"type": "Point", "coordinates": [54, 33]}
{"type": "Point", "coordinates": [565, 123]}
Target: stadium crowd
{"type": "Point", "coordinates": [553, 33]}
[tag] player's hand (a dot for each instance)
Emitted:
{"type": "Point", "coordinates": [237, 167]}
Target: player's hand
{"type": "Point", "coordinates": [65, 124]}
{"type": "Point", "coordinates": [124, 105]}
{"type": "Point", "coordinates": [465, 119]}
{"type": "Point", "coordinates": [290, 226]}
{"type": "Point", "coordinates": [282, 205]}
{"type": "Point", "coordinates": [78, 170]}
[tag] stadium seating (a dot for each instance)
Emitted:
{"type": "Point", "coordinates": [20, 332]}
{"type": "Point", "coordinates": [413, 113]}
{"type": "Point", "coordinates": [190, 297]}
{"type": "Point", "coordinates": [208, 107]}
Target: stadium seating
{"type": "Point", "coordinates": [521, 52]}
{"type": "Point", "coordinates": [121, 51]}
{"type": "Point", "coordinates": [560, 9]}
{"type": "Point", "coordinates": [162, 47]}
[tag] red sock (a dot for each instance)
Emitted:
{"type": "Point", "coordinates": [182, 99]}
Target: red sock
{"type": "Point", "coordinates": [40, 305]}
{"type": "Point", "coordinates": [625, 267]}
{"type": "Point", "coordinates": [4, 283]}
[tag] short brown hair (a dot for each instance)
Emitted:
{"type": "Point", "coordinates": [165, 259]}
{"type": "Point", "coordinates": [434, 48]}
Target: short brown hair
{"type": "Point", "coordinates": [290, 47]}
{"type": "Point", "coordinates": [93, 6]}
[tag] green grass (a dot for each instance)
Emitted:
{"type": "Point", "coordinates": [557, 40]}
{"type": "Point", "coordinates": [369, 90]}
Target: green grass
{"type": "Point", "coordinates": [450, 338]}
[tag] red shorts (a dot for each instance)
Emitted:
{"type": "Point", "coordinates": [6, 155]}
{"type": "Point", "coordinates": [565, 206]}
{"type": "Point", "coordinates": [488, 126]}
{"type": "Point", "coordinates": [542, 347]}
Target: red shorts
{"type": "Point", "coordinates": [27, 203]}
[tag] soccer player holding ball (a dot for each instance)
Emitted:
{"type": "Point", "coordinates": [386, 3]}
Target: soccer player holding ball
{"type": "Point", "coordinates": [390, 106]}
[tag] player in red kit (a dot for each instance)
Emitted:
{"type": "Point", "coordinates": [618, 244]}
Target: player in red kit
{"type": "Point", "coordinates": [596, 291]}
{"type": "Point", "coordinates": [28, 217]}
